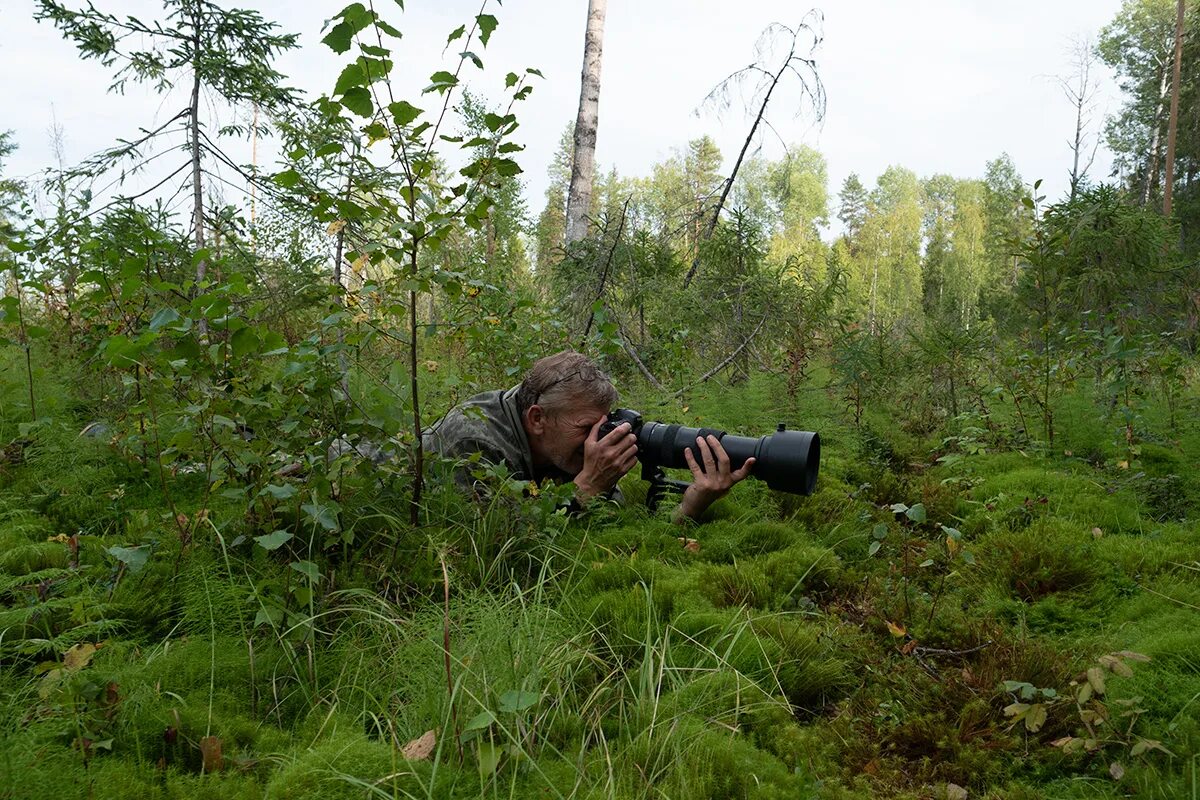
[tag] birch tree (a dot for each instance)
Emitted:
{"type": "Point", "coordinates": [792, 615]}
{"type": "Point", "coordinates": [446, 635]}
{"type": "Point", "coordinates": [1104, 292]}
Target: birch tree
{"type": "Point", "coordinates": [583, 163]}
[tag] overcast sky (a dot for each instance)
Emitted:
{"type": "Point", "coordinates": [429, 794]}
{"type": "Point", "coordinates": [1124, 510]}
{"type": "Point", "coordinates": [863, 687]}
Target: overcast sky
{"type": "Point", "coordinates": [933, 85]}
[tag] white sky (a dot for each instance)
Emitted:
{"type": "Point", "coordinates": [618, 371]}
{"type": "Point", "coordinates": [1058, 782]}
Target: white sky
{"type": "Point", "coordinates": [934, 85]}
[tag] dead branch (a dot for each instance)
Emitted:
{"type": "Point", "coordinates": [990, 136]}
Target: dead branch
{"type": "Point", "coordinates": [804, 68]}
{"type": "Point", "coordinates": [727, 360]}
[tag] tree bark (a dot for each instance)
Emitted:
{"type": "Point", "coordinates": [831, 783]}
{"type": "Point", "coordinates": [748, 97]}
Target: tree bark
{"type": "Point", "coordinates": [1155, 137]}
{"type": "Point", "coordinates": [1169, 178]}
{"type": "Point", "coordinates": [583, 161]}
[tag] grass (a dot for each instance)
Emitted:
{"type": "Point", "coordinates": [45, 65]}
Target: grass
{"type": "Point", "coordinates": [597, 658]}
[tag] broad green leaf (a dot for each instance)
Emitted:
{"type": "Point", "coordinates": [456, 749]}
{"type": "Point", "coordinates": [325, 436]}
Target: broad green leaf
{"type": "Point", "coordinates": [456, 33]}
{"type": "Point", "coordinates": [489, 758]}
{"type": "Point", "coordinates": [308, 569]}
{"type": "Point", "coordinates": [351, 76]}
{"type": "Point", "coordinates": [916, 513]}
{"type": "Point", "coordinates": [273, 541]}
{"type": "Point", "coordinates": [280, 492]}
{"type": "Point", "coordinates": [288, 178]}
{"type": "Point", "coordinates": [134, 558]}
{"type": "Point", "coordinates": [480, 721]}
{"type": "Point", "coordinates": [440, 82]}
{"type": "Point", "coordinates": [354, 18]}
{"type": "Point", "coordinates": [487, 24]}
{"type": "Point", "coordinates": [163, 317]}
{"type": "Point", "coordinates": [358, 100]}
{"type": "Point", "coordinates": [515, 700]}
{"type": "Point", "coordinates": [874, 548]}
{"type": "Point", "coordinates": [243, 341]}
{"type": "Point", "coordinates": [404, 112]}
{"type": "Point", "coordinates": [323, 515]}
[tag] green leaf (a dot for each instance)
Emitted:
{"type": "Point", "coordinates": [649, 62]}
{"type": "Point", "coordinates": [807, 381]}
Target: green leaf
{"type": "Point", "coordinates": [280, 492]}
{"type": "Point", "coordinates": [323, 515]}
{"type": "Point", "coordinates": [456, 34]}
{"type": "Point", "coordinates": [440, 82]}
{"type": "Point", "coordinates": [351, 76]}
{"type": "Point", "coordinates": [489, 758]}
{"type": "Point", "coordinates": [288, 178]}
{"type": "Point", "coordinates": [354, 18]}
{"type": "Point", "coordinates": [389, 29]}
{"type": "Point", "coordinates": [880, 531]}
{"type": "Point", "coordinates": [480, 721]}
{"type": "Point", "coordinates": [358, 100]}
{"type": "Point", "coordinates": [874, 548]}
{"type": "Point", "coordinates": [404, 112]}
{"type": "Point", "coordinates": [487, 23]}
{"type": "Point", "coordinates": [134, 558]}
{"type": "Point", "coordinates": [514, 701]}
{"type": "Point", "coordinates": [308, 569]}
{"type": "Point", "coordinates": [510, 80]}
{"type": "Point", "coordinates": [916, 513]}
{"type": "Point", "coordinates": [244, 341]}
{"type": "Point", "coordinates": [162, 318]}
{"type": "Point", "coordinates": [273, 541]}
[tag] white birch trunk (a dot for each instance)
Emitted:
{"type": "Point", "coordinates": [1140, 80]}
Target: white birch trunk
{"type": "Point", "coordinates": [583, 162]}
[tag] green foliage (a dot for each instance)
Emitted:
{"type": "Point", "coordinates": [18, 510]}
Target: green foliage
{"type": "Point", "coordinates": [218, 531]}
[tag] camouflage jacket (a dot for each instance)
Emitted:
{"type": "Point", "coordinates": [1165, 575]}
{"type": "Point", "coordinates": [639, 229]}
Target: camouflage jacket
{"type": "Point", "coordinates": [490, 425]}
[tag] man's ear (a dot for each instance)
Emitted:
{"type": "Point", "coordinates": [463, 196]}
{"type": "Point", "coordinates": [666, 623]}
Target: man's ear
{"type": "Point", "coordinates": [535, 420]}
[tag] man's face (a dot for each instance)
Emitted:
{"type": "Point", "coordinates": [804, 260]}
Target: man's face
{"type": "Point", "coordinates": [562, 435]}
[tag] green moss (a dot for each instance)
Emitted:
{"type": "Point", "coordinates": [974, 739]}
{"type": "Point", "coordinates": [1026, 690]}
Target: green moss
{"type": "Point", "coordinates": [342, 768]}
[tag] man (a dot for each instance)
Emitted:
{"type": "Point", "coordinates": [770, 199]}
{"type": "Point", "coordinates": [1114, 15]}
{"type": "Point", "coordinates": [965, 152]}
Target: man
{"type": "Point", "coordinates": [548, 427]}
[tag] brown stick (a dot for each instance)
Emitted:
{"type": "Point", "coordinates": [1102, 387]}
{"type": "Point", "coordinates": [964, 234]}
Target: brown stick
{"type": "Point", "coordinates": [604, 274]}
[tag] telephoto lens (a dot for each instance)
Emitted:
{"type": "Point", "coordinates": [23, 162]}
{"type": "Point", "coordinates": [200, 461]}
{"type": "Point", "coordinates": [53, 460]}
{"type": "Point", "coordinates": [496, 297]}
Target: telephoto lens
{"type": "Point", "coordinates": [787, 460]}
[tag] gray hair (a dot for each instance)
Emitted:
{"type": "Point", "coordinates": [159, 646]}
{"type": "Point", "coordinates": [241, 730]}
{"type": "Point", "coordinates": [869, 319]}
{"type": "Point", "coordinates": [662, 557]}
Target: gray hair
{"type": "Point", "coordinates": [564, 379]}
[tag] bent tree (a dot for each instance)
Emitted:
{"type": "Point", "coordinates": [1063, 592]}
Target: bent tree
{"type": "Point", "coordinates": [763, 77]}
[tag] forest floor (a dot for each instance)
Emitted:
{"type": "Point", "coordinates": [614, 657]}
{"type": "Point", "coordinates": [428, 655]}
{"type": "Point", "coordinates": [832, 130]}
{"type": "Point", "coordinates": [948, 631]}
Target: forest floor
{"type": "Point", "coordinates": [953, 615]}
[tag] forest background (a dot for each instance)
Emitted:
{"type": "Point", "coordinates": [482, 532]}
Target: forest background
{"type": "Point", "coordinates": [993, 591]}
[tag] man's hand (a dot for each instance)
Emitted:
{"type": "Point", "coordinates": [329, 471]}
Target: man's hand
{"type": "Point", "coordinates": [712, 477]}
{"type": "Point", "coordinates": [605, 461]}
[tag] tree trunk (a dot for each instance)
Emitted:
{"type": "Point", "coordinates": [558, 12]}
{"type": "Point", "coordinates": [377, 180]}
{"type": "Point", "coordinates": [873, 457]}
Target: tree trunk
{"type": "Point", "coordinates": [197, 186]}
{"type": "Point", "coordinates": [1169, 179]}
{"type": "Point", "coordinates": [1155, 137]}
{"type": "Point", "coordinates": [583, 161]}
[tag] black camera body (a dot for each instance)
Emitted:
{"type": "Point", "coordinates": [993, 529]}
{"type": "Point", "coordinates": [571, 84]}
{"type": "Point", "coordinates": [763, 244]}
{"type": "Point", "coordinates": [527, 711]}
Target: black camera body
{"type": "Point", "coordinates": [788, 461]}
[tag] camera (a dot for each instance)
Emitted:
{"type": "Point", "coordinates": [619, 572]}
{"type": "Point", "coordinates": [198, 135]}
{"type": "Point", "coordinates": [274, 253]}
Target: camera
{"type": "Point", "coordinates": [787, 460]}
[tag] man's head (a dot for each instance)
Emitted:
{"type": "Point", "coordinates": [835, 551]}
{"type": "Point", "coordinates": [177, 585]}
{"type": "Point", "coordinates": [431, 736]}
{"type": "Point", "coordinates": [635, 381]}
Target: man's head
{"type": "Point", "coordinates": [559, 400]}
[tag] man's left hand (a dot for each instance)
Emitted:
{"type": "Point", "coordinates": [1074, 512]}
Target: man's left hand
{"type": "Point", "coordinates": [712, 477]}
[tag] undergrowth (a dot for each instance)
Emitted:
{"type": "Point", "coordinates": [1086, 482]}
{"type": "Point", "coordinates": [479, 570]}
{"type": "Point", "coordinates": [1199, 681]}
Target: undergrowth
{"type": "Point", "coordinates": [914, 626]}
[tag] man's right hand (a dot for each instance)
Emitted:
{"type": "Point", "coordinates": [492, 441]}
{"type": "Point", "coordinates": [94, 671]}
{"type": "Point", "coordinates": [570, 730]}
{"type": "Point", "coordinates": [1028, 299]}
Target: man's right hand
{"type": "Point", "coordinates": [606, 460]}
